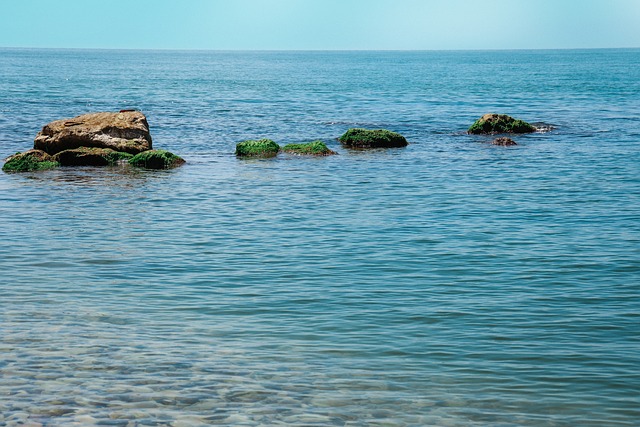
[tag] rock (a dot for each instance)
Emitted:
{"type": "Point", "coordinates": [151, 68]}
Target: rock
{"type": "Point", "coordinates": [380, 138]}
{"type": "Point", "coordinates": [257, 148]}
{"type": "Point", "coordinates": [32, 160]}
{"type": "Point", "coordinates": [156, 159]}
{"type": "Point", "coordinates": [499, 123]}
{"type": "Point", "coordinates": [504, 141]}
{"type": "Point", "coordinates": [126, 131]}
{"type": "Point", "coordinates": [86, 156]}
{"type": "Point", "coordinates": [314, 148]}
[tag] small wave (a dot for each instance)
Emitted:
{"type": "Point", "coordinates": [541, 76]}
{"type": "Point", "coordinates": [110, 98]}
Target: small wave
{"type": "Point", "coordinates": [344, 123]}
{"type": "Point", "coordinates": [544, 127]}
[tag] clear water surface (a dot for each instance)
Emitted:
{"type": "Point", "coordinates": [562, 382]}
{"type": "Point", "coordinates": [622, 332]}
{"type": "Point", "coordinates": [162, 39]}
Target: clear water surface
{"type": "Point", "coordinates": [448, 283]}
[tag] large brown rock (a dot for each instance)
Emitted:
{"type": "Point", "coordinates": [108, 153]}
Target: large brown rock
{"type": "Point", "coordinates": [126, 131]}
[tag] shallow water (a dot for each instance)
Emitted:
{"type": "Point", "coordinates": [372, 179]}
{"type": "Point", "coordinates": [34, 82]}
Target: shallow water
{"type": "Point", "coordinates": [448, 283]}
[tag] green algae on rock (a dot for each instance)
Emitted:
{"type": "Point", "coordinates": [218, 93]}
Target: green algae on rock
{"type": "Point", "coordinates": [90, 156]}
{"type": "Point", "coordinates": [156, 159]}
{"type": "Point", "coordinates": [379, 138]}
{"type": "Point", "coordinates": [313, 148]}
{"type": "Point", "coordinates": [32, 160]}
{"type": "Point", "coordinates": [257, 148]}
{"type": "Point", "coordinates": [499, 123]}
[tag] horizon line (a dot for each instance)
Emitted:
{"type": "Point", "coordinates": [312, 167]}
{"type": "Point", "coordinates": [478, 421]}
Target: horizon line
{"type": "Point", "coordinates": [313, 50]}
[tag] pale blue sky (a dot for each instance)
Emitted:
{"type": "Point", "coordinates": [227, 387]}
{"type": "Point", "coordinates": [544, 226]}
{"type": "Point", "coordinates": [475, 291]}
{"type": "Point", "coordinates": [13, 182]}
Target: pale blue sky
{"type": "Point", "coordinates": [320, 24]}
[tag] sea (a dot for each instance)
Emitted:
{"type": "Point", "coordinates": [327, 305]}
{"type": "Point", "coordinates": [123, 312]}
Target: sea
{"type": "Point", "coordinates": [448, 283]}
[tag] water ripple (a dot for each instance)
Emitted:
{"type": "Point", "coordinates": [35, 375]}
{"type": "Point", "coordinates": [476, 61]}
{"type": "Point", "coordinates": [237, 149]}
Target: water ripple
{"type": "Point", "coordinates": [447, 283]}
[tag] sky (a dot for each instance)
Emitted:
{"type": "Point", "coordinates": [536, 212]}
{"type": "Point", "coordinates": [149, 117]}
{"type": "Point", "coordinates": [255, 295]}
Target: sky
{"type": "Point", "coordinates": [320, 24]}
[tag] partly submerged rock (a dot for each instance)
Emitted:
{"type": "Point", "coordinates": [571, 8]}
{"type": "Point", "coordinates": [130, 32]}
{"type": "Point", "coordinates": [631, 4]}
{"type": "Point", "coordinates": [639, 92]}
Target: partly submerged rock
{"type": "Point", "coordinates": [32, 160]}
{"type": "Point", "coordinates": [156, 159]}
{"type": "Point", "coordinates": [90, 156]}
{"type": "Point", "coordinates": [257, 148]}
{"type": "Point", "coordinates": [499, 123]}
{"type": "Point", "coordinates": [503, 141]}
{"type": "Point", "coordinates": [126, 131]}
{"type": "Point", "coordinates": [379, 138]}
{"type": "Point", "coordinates": [314, 148]}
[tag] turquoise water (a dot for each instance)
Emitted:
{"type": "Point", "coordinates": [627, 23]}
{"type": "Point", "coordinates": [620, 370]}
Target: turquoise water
{"type": "Point", "coordinates": [448, 283]}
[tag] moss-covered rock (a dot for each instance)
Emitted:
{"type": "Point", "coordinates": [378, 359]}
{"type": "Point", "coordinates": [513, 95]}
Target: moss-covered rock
{"type": "Point", "coordinates": [90, 156]}
{"type": "Point", "coordinates": [32, 160]}
{"type": "Point", "coordinates": [499, 123]}
{"type": "Point", "coordinates": [379, 138]}
{"type": "Point", "coordinates": [257, 148]}
{"type": "Point", "coordinates": [156, 159]}
{"type": "Point", "coordinates": [314, 148]}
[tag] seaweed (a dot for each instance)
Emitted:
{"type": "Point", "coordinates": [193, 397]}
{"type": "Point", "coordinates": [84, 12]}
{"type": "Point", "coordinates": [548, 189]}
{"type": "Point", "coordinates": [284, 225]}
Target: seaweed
{"type": "Point", "coordinates": [499, 123]}
{"type": "Point", "coordinates": [379, 138]}
{"type": "Point", "coordinates": [156, 159]}
{"type": "Point", "coordinates": [32, 160]}
{"type": "Point", "coordinates": [257, 148]}
{"type": "Point", "coordinates": [313, 148]}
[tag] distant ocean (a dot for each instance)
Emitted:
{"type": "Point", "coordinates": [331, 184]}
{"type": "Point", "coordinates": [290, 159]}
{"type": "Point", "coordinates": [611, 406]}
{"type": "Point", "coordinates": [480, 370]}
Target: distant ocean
{"type": "Point", "coordinates": [448, 283]}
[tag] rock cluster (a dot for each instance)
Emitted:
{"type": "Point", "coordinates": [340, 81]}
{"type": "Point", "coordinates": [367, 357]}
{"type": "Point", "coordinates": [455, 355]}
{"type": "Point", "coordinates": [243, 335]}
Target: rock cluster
{"type": "Point", "coordinates": [111, 138]}
{"type": "Point", "coordinates": [95, 139]}
{"type": "Point", "coordinates": [269, 148]}
{"type": "Point", "coordinates": [355, 138]}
